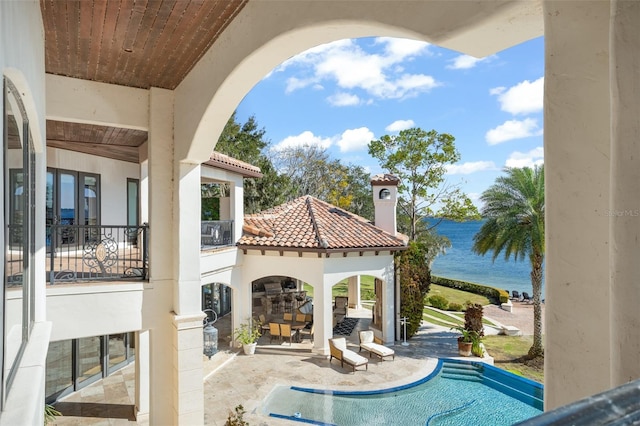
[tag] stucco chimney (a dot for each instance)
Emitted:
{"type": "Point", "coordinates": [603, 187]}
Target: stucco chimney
{"type": "Point", "coordinates": [385, 201]}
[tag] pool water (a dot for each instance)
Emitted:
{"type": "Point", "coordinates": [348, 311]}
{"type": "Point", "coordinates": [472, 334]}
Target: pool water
{"type": "Point", "coordinates": [437, 400]}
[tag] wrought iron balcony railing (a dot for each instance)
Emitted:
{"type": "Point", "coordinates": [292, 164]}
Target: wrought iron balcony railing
{"type": "Point", "coordinates": [216, 233]}
{"type": "Point", "coordinates": [97, 253]}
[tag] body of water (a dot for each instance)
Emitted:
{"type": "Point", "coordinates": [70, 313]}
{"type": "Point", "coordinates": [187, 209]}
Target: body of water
{"type": "Point", "coordinates": [461, 263]}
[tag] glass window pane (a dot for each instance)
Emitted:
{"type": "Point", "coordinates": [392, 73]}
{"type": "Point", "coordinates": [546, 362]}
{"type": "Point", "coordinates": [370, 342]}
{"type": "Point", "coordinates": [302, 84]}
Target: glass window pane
{"type": "Point", "coordinates": [117, 353]}
{"type": "Point", "coordinates": [59, 368]}
{"type": "Point", "coordinates": [89, 363]}
{"type": "Point", "coordinates": [90, 200]}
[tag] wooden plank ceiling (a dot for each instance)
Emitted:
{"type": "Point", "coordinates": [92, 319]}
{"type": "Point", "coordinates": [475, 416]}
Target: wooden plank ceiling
{"type": "Point", "coordinates": [134, 43]}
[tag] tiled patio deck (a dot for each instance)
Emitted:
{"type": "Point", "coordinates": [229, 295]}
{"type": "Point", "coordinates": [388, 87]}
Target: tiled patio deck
{"type": "Point", "coordinates": [232, 379]}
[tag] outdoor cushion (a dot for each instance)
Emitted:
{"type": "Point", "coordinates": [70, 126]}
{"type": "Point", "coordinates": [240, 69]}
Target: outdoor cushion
{"type": "Point", "coordinates": [369, 342]}
{"type": "Point", "coordinates": [338, 350]}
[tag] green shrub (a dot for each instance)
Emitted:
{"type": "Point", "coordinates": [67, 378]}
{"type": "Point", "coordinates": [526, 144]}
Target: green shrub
{"type": "Point", "coordinates": [495, 294]}
{"type": "Point", "coordinates": [456, 307]}
{"type": "Point", "coordinates": [368, 295]}
{"type": "Point", "coordinates": [439, 302]}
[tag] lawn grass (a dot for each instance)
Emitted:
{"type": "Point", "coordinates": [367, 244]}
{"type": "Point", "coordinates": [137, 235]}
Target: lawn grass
{"type": "Point", "coordinates": [342, 288]}
{"type": "Point", "coordinates": [507, 353]}
{"type": "Point", "coordinates": [456, 296]}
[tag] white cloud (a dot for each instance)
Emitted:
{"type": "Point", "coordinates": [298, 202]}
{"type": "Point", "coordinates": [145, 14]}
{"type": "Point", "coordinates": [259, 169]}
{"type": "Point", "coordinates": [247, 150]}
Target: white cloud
{"type": "Point", "coordinates": [399, 125]}
{"type": "Point", "coordinates": [523, 98]}
{"type": "Point", "coordinates": [343, 99]}
{"type": "Point", "coordinates": [397, 49]}
{"type": "Point", "coordinates": [526, 159]}
{"type": "Point", "coordinates": [470, 167]}
{"type": "Point", "coordinates": [355, 139]}
{"type": "Point", "coordinates": [305, 138]}
{"type": "Point", "coordinates": [464, 62]}
{"type": "Point", "coordinates": [351, 68]}
{"type": "Point", "coordinates": [513, 129]}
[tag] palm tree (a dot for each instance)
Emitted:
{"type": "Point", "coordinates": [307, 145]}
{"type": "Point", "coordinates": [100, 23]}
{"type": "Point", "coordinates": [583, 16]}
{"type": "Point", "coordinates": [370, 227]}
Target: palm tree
{"type": "Point", "coordinates": [514, 209]}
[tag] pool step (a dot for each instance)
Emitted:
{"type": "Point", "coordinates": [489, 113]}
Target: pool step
{"type": "Point", "coordinates": [461, 372]}
{"type": "Point", "coordinates": [522, 389]}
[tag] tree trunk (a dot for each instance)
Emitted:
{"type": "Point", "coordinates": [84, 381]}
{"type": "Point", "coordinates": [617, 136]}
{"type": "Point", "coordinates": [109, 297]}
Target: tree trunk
{"type": "Point", "coordinates": [537, 349]}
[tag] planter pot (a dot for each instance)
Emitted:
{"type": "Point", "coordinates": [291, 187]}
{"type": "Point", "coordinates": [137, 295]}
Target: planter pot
{"type": "Point", "coordinates": [464, 348]}
{"type": "Point", "coordinates": [249, 348]}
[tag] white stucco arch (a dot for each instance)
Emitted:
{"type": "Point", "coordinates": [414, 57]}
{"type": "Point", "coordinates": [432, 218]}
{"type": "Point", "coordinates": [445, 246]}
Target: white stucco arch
{"type": "Point", "coordinates": [322, 273]}
{"type": "Point", "coordinates": [279, 30]}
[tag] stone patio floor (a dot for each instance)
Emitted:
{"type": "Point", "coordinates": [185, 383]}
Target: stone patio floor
{"type": "Point", "coordinates": [232, 378]}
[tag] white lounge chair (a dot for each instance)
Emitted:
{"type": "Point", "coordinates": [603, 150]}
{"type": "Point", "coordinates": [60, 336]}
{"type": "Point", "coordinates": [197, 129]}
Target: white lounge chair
{"type": "Point", "coordinates": [370, 342]}
{"type": "Point", "coordinates": [338, 348]}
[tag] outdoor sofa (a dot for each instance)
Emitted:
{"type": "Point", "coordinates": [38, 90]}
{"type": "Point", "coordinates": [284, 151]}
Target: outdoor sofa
{"type": "Point", "coordinates": [339, 351]}
{"type": "Point", "coordinates": [370, 342]}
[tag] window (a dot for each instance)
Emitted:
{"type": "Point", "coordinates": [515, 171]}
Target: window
{"type": "Point", "coordinates": [19, 237]}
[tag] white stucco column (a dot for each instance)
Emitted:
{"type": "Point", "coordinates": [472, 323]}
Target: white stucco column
{"type": "Point", "coordinates": [322, 315]}
{"type": "Point", "coordinates": [158, 292]}
{"type": "Point", "coordinates": [389, 312]}
{"type": "Point", "coordinates": [237, 207]}
{"type": "Point", "coordinates": [576, 144]}
{"type": "Point", "coordinates": [625, 191]}
{"type": "Point", "coordinates": [354, 292]}
{"type": "Point", "coordinates": [142, 376]}
{"type": "Point", "coordinates": [171, 307]}
{"type": "Point", "coordinates": [187, 237]}
{"type": "Point", "coordinates": [187, 305]}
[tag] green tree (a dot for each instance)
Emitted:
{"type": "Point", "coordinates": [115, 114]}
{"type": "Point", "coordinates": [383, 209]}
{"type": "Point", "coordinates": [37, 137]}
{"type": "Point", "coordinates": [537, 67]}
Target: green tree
{"type": "Point", "coordinates": [246, 142]}
{"type": "Point", "coordinates": [312, 171]}
{"type": "Point", "coordinates": [420, 158]}
{"type": "Point", "coordinates": [415, 280]}
{"type": "Point", "coordinates": [514, 209]}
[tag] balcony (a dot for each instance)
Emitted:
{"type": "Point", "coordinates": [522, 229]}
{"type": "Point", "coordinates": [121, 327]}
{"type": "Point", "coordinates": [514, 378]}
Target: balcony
{"type": "Point", "coordinates": [216, 234]}
{"type": "Point", "coordinates": [80, 253]}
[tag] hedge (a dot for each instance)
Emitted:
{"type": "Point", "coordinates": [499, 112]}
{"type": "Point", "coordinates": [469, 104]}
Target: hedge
{"type": "Point", "coordinates": [490, 292]}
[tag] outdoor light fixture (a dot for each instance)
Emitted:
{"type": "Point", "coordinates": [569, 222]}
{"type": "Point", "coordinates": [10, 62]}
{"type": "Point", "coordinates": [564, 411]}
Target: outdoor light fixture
{"type": "Point", "coordinates": [385, 194]}
{"type": "Point", "coordinates": [209, 335]}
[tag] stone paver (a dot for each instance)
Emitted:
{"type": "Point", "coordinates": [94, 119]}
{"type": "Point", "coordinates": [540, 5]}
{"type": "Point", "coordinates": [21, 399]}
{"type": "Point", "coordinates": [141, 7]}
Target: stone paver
{"type": "Point", "coordinates": [232, 378]}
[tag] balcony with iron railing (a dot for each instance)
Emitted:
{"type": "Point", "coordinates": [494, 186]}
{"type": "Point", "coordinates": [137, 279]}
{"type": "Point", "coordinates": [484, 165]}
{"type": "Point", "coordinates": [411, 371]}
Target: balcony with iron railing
{"type": "Point", "coordinates": [216, 234]}
{"type": "Point", "coordinates": [79, 253]}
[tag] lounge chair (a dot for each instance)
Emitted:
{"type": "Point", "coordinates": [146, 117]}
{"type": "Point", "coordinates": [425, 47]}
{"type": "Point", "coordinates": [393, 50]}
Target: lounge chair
{"type": "Point", "coordinates": [516, 296]}
{"type": "Point", "coordinates": [370, 342]}
{"type": "Point", "coordinates": [338, 349]}
{"type": "Point", "coordinates": [526, 297]}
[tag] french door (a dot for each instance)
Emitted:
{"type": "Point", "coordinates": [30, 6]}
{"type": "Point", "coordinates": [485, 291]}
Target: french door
{"type": "Point", "coordinates": [73, 198]}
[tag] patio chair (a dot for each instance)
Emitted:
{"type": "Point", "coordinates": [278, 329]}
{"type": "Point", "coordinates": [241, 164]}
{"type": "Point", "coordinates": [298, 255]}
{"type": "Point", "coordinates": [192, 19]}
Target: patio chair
{"type": "Point", "coordinates": [307, 332]}
{"type": "Point", "coordinates": [263, 323]}
{"type": "Point", "coordinates": [526, 297]}
{"type": "Point", "coordinates": [372, 343]}
{"type": "Point", "coordinates": [274, 331]}
{"type": "Point", "coordinates": [516, 296]}
{"type": "Point", "coordinates": [287, 316]}
{"type": "Point", "coordinates": [286, 332]}
{"type": "Point", "coordinates": [301, 317]}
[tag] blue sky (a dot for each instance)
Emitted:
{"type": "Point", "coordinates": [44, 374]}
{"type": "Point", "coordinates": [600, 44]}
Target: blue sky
{"type": "Point", "coordinates": [343, 94]}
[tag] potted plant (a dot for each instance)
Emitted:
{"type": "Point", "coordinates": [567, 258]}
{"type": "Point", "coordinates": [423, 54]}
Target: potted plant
{"type": "Point", "coordinates": [472, 332]}
{"type": "Point", "coordinates": [469, 342]}
{"type": "Point", "coordinates": [247, 334]}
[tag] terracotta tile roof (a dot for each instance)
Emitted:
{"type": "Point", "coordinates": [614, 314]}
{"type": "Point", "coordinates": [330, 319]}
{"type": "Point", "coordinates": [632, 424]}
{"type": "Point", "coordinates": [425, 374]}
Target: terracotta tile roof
{"type": "Point", "coordinates": [384, 179]}
{"type": "Point", "coordinates": [223, 161]}
{"type": "Point", "coordinates": [307, 223]}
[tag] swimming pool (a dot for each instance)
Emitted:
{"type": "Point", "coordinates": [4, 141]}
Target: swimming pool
{"type": "Point", "coordinates": [457, 393]}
